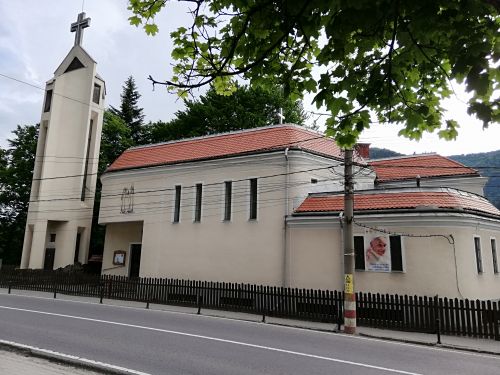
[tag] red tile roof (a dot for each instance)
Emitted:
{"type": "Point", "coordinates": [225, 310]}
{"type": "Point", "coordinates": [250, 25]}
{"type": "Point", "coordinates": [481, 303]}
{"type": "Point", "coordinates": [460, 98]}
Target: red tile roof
{"type": "Point", "coordinates": [409, 167]}
{"type": "Point", "coordinates": [229, 144]}
{"type": "Point", "coordinates": [444, 199]}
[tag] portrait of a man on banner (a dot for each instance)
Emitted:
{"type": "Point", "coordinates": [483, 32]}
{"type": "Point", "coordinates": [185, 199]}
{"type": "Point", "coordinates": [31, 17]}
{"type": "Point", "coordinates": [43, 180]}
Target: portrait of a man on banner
{"type": "Point", "coordinates": [377, 253]}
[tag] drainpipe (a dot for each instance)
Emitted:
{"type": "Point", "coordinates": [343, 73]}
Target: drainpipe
{"type": "Point", "coordinates": [341, 222]}
{"type": "Point", "coordinates": [285, 280]}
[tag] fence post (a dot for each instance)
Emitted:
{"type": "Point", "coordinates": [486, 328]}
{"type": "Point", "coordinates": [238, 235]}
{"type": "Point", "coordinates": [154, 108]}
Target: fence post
{"type": "Point", "coordinates": [55, 290]}
{"type": "Point", "coordinates": [198, 300]}
{"type": "Point", "coordinates": [496, 321]}
{"type": "Point", "coordinates": [438, 330]}
{"type": "Point", "coordinates": [101, 292]}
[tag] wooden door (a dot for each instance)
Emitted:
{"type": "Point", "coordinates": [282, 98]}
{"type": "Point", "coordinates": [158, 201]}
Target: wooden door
{"type": "Point", "coordinates": [48, 263]}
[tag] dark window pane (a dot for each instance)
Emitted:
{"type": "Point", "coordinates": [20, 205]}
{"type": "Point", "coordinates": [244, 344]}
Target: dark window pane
{"type": "Point", "coordinates": [396, 255]}
{"type": "Point", "coordinates": [96, 95]}
{"type": "Point", "coordinates": [75, 64]}
{"type": "Point", "coordinates": [197, 212]}
{"type": "Point", "coordinates": [77, 248]}
{"type": "Point", "coordinates": [253, 199]}
{"type": "Point", "coordinates": [177, 209]}
{"type": "Point", "coordinates": [479, 260]}
{"type": "Point", "coordinates": [227, 200]}
{"type": "Point", "coordinates": [48, 101]}
{"type": "Point", "coordinates": [359, 251]}
{"type": "Point", "coordinates": [494, 255]}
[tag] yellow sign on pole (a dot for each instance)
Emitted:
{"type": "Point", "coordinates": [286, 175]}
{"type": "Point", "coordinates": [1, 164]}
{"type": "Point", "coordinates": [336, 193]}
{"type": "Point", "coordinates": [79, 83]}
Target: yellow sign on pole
{"type": "Point", "coordinates": [349, 283]}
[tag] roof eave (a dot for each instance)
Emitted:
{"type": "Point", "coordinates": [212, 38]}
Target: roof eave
{"type": "Point", "coordinates": [399, 211]}
{"type": "Point", "coordinates": [277, 149]}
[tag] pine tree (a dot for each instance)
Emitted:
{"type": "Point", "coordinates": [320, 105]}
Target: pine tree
{"type": "Point", "coordinates": [129, 110]}
{"type": "Point", "coordinates": [249, 107]}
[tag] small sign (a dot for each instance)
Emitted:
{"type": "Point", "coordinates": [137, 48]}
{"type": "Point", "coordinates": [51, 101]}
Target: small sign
{"type": "Point", "coordinates": [119, 258]}
{"type": "Point", "coordinates": [349, 283]}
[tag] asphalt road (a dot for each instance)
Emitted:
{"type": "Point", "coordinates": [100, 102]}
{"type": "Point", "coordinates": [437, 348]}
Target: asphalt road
{"type": "Point", "coordinates": [160, 342]}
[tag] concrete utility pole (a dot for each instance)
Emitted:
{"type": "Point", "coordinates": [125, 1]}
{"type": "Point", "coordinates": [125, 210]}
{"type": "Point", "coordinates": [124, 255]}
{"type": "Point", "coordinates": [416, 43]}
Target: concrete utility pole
{"type": "Point", "coordinates": [349, 296]}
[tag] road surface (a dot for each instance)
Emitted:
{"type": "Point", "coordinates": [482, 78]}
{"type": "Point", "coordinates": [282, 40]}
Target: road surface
{"type": "Point", "coordinates": [162, 342]}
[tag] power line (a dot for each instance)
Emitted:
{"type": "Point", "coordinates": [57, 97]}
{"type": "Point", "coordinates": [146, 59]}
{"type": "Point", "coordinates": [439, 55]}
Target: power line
{"type": "Point", "coordinates": [43, 89]}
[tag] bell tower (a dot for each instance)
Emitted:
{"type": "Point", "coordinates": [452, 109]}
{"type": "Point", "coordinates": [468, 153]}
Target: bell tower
{"type": "Point", "coordinates": [64, 178]}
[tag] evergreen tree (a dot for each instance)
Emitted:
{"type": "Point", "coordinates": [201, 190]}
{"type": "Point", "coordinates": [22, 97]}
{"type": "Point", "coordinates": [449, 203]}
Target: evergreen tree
{"type": "Point", "coordinates": [16, 173]}
{"type": "Point", "coordinates": [129, 110]}
{"type": "Point", "coordinates": [249, 107]}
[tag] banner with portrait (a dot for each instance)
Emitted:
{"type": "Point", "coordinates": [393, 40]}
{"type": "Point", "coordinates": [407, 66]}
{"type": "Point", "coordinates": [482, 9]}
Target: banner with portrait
{"type": "Point", "coordinates": [377, 253]}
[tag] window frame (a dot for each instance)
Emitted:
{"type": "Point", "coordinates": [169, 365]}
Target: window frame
{"type": "Point", "coordinates": [253, 199]}
{"type": "Point", "coordinates": [478, 255]}
{"type": "Point", "coordinates": [402, 253]}
{"type": "Point", "coordinates": [98, 96]}
{"type": "Point", "coordinates": [494, 255]}
{"type": "Point", "coordinates": [362, 253]}
{"type": "Point", "coordinates": [228, 200]}
{"type": "Point", "coordinates": [198, 194]}
{"type": "Point", "coordinates": [47, 104]}
{"type": "Point", "coordinates": [177, 204]}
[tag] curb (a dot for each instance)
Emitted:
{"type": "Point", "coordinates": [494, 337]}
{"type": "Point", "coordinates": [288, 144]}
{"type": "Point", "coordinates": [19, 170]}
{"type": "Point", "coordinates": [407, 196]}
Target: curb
{"type": "Point", "coordinates": [59, 358]}
{"type": "Point", "coordinates": [436, 345]}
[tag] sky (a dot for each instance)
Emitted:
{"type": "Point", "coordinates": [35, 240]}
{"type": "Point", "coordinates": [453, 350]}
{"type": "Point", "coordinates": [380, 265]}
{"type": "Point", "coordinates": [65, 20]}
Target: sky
{"type": "Point", "coordinates": [35, 37]}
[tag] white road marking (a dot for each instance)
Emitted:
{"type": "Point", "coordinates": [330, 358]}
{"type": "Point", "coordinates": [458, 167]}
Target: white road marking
{"type": "Point", "coordinates": [74, 358]}
{"type": "Point", "coordinates": [386, 369]}
{"type": "Point", "coordinates": [422, 346]}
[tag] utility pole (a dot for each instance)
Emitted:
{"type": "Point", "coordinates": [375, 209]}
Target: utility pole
{"type": "Point", "coordinates": [349, 296]}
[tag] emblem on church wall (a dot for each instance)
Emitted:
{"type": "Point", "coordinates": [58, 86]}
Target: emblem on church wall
{"type": "Point", "coordinates": [127, 205]}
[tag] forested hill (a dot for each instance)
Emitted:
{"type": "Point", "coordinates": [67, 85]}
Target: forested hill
{"type": "Point", "coordinates": [379, 153]}
{"type": "Point", "coordinates": [487, 163]}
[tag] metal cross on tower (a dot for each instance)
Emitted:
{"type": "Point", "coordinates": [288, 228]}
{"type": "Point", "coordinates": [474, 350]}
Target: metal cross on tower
{"type": "Point", "coordinates": [78, 26]}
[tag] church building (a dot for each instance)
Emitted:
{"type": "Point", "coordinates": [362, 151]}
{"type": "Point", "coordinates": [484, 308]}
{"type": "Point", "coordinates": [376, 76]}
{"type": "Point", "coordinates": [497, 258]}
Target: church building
{"type": "Point", "coordinates": [259, 206]}
{"type": "Point", "coordinates": [65, 174]}
{"type": "Point", "coordinates": [264, 206]}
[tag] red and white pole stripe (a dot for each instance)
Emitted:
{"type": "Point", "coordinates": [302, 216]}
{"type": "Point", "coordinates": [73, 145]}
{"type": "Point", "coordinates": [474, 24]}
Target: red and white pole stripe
{"type": "Point", "coordinates": [349, 305]}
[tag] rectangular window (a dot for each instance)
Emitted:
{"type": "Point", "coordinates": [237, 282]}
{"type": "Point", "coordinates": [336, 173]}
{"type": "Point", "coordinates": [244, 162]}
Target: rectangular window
{"type": "Point", "coordinates": [494, 254]}
{"type": "Point", "coordinates": [96, 94]}
{"type": "Point", "coordinates": [177, 207]}
{"type": "Point", "coordinates": [396, 253]}
{"type": "Point", "coordinates": [253, 199]}
{"type": "Point", "coordinates": [479, 260]}
{"type": "Point", "coordinates": [48, 101]}
{"type": "Point", "coordinates": [228, 192]}
{"type": "Point", "coordinates": [52, 237]}
{"type": "Point", "coordinates": [77, 248]}
{"type": "Point", "coordinates": [197, 210]}
{"type": "Point", "coordinates": [359, 252]}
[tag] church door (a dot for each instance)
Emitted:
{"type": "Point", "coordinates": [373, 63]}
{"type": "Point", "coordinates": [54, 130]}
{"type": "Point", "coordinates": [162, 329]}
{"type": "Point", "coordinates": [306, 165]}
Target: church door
{"type": "Point", "coordinates": [48, 263]}
{"type": "Point", "coordinates": [135, 259]}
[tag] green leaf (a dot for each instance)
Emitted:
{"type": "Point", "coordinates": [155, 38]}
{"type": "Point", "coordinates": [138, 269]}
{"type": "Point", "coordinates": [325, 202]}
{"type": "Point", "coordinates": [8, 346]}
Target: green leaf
{"type": "Point", "coordinates": [134, 20]}
{"type": "Point", "coordinates": [151, 29]}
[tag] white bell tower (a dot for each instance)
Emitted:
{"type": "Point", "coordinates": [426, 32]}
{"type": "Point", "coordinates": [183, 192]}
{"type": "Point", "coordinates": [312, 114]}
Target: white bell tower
{"type": "Point", "coordinates": [67, 154]}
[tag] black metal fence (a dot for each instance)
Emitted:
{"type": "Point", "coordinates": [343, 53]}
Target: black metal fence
{"type": "Point", "coordinates": [472, 318]}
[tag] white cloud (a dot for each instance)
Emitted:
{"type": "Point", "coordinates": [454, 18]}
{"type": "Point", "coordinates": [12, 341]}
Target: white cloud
{"type": "Point", "coordinates": [35, 37]}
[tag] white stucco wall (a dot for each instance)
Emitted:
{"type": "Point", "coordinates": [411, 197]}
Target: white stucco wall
{"type": "Point", "coordinates": [120, 237]}
{"type": "Point", "coordinates": [316, 259]}
{"type": "Point", "coordinates": [240, 250]}
{"type": "Point", "coordinates": [470, 184]}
